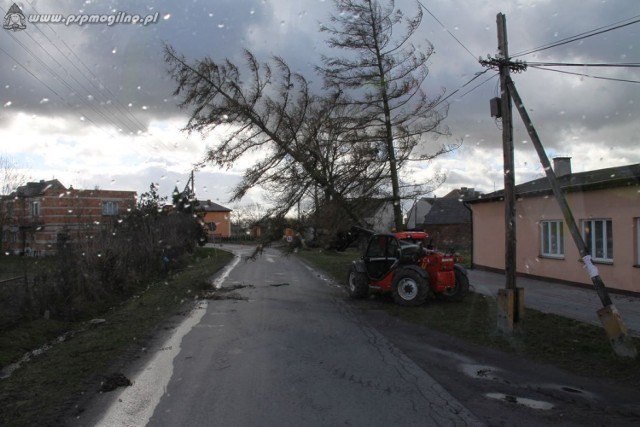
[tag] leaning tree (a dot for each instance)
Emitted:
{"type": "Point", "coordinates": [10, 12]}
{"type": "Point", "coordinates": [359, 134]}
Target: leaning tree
{"type": "Point", "coordinates": [305, 141]}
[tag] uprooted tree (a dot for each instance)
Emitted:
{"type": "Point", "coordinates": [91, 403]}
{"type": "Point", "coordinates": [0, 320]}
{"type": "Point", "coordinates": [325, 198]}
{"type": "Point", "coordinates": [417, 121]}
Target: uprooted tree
{"type": "Point", "coordinates": [306, 141]}
{"type": "Point", "coordinates": [384, 74]}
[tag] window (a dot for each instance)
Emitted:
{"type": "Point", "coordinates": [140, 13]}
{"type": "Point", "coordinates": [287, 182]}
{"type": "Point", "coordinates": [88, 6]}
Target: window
{"type": "Point", "coordinates": [109, 208]}
{"type": "Point", "coordinates": [598, 235]}
{"type": "Point", "coordinates": [35, 208]}
{"type": "Point", "coordinates": [552, 239]}
{"type": "Point", "coordinates": [637, 220]}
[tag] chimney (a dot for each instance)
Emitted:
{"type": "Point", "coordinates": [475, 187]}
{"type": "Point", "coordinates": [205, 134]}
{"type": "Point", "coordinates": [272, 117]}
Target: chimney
{"type": "Point", "coordinates": [562, 166]}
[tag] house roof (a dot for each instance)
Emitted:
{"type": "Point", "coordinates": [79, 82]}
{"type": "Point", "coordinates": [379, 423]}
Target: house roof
{"type": "Point", "coordinates": [209, 206]}
{"type": "Point", "coordinates": [620, 176]}
{"type": "Point", "coordinates": [32, 189]}
{"type": "Point", "coordinates": [447, 210]}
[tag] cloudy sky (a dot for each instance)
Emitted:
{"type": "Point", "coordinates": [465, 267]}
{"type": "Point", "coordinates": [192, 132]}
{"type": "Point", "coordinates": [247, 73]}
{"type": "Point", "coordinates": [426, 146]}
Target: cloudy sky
{"type": "Point", "coordinates": [92, 104]}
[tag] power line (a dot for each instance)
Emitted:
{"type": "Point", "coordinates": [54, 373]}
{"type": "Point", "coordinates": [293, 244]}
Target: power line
{"type": "Point", "coordinates": [586, 75]}
{"type": "Point", "coordinates": [114, 117]}
{"type": "Point", "coordinates": [466, 84]}
{"type": "Point", "coordinates": [40, 80]}
{"type": "Point", "coordinates": [581, 36]}
{"type": "Point", "coordinates": [475, 58]}
{"type": "Point", "coordinates": [596, 64]}
{"type": "Point", "coordinates": [118, 105]}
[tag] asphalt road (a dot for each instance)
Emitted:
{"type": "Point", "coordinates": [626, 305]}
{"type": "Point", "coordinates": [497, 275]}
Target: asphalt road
{"type": "Point", "coordinates": [291, 352]}
{"type": "Point", "coordinates": [287, 348]}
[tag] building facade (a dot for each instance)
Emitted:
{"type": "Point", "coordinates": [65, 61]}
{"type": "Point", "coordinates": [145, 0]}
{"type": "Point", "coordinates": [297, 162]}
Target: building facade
{"type": "Point", "coordinates": [606, 206]}
{"type": "Point", "coordinates": [39, 215]}
{"type": "Point", "coordinates": [216, 219]}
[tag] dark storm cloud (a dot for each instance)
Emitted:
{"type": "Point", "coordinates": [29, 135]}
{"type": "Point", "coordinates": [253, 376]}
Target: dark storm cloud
{"type": "Point", "coordinates": [573, 114]}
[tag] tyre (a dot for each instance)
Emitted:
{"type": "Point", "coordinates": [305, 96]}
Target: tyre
{"type": "Point", "coordinates": [409, 288]}
{"type": "Point", "coordinates": [357, 284]}
{"type": "Point", "coordinates": [460, 290]}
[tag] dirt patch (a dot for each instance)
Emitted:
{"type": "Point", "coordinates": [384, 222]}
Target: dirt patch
{"type": "Point", "coordinates": [113, 381]}
{"type": "Point", "coordinates": [225, 293]}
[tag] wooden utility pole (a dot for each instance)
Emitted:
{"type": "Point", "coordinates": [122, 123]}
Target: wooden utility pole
{"type": "Point", "coordinates": [609, 316]}
{"type": "Point", "coordinates": [511, 304]}
{"type": "Point", "coordinates": [511, 299]}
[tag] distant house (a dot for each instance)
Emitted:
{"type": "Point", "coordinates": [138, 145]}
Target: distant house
{"type": "Point", "coordinates": [216, 218]}
{"type": "Point", "coordinates": [379, 214]}
{"type": "Point", "coordinates": [38, 215]}
{"type": "Point", "coordinates": [605, 204]}
{"type": "Point", "coordinates": [447, 219]}
{"type": "Point", "coordinates": [415, 216]}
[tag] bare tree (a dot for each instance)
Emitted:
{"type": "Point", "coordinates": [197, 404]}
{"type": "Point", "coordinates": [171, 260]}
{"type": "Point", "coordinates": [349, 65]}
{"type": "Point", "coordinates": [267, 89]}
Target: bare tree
{"type": "Point", "coordinates": [10, 179]}
{"type": "Point", "coordinates": [307, 141]}
{"type": "Point", "coordinates": [384, 73]}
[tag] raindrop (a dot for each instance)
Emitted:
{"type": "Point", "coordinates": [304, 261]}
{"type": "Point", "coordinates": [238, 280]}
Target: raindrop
{"type": "Point", "coordinates": [167, 16]}
{"type": "Point", "coordinates": [525, 141]}
{"type": "Point", "coordinates": [220, 25]}
{"type": "Point", "coordinates": [8, 104]}
{"type": "Point", "coordinates": [129, 105]}
{"type": "Point", "coordinates": [139, 87]}
{"type": "Point", "coordinates": [82, 118]}
{"type": "Point", "coordinates": [144, 107]}
{"type": "Point", "coordinates": [44, 100]}
{"type": "Point", "coordinates": [70, 211]}
{"type": "Point", "coordinates": [251, 12]}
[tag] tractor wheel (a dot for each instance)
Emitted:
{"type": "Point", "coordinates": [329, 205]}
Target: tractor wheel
{"type": "Point", "coordinates": [357, 284]}
{"type": "Point", "coordinates": [460, 290]}
{"type": "Point", "coordinates": [409, 288]}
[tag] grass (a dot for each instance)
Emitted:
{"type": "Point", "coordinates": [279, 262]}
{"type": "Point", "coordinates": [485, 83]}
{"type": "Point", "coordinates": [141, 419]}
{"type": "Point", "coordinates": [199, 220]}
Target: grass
{"type": "Point", "coordinates": [42, 389]}
{"type": "Point", "coordinates": [555, 340]}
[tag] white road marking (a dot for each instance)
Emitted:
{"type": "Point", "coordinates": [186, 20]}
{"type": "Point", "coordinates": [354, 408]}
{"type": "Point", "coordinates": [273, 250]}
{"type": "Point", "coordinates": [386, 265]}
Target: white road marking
{"type": "Point", "coordinates": [135, 404]}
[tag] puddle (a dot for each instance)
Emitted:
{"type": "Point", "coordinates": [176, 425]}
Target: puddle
{"type": "Point", "coordinates": [574, 391]}
{"type": "Point", "coordinates": [529, 403]}
{"type": "Point", "coordinates": [481, 371]}
{"type": "Point", "coordinates": [275, 285]}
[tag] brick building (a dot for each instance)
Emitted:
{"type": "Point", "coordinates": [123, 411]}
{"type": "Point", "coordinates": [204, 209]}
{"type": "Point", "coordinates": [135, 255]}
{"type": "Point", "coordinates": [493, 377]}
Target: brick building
{"type": "Point", "coordinates": [36, 216]}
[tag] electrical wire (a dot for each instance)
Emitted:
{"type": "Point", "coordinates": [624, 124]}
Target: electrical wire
{"type": "Point", "coordinates": [581, 36]}
{"type": "Point", "coordinates": [41, 81]}
{"type": "Point", "coordinates": [111, 117]}
{"type": "Point", "coordinates": [475, 58]}
{"type": "Point", "coordinates": [586, 75]}
{"type": "Point", "coordinates": [466, 84]}
{"type": "Point", "coordinates": [564, 64]}
{"type": "Point", "coordinates": [117, 104]}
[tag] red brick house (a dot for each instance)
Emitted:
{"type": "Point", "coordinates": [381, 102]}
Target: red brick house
{"type": "Point", "coordinates": [36, 216]}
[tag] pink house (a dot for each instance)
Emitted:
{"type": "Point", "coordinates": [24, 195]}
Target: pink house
{"type": "Point", "coordinates": [605, 204]}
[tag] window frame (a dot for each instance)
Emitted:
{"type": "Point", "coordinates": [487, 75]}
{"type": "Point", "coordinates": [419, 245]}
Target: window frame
{"type": "Point", "coordinates": [637, 243]}
{"type": "Point", "coordinates": [35, 208]}
{"type": "Point", "coordinates": [591, 238]}
{"type": "Point", "coordinates": [109, 208]}
{"type": "Point", "coordinates": [546, 238]}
